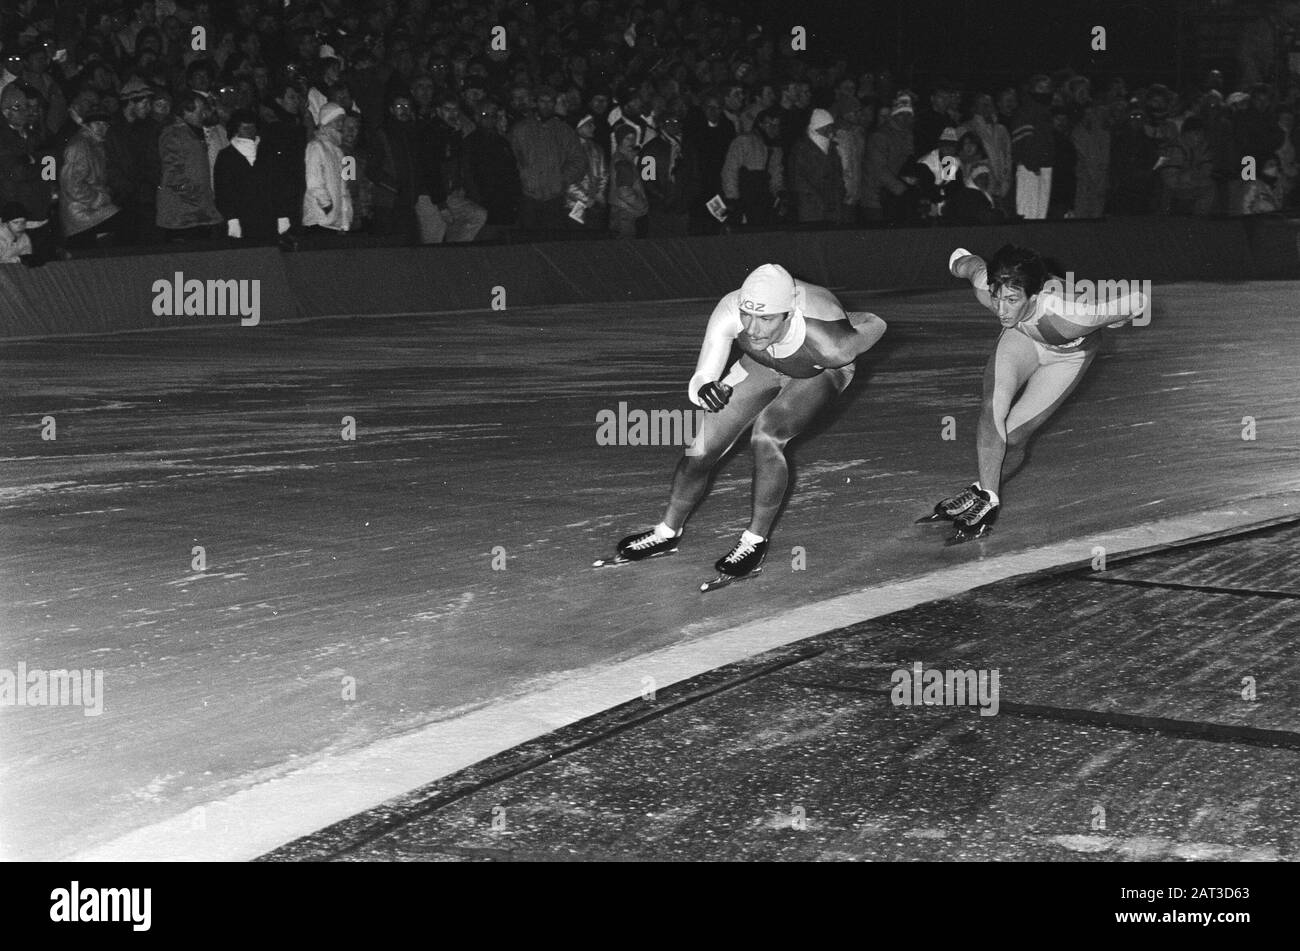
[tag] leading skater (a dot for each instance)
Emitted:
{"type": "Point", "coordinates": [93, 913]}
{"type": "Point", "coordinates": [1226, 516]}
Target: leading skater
{"type": "Point", "coordinates": [797, 350]}
{"type": "Point", "coordinates": [1046, 344]}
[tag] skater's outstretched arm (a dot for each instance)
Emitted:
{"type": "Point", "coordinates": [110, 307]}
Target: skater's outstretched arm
{"type": "Point", "coordinates": [972, 267]}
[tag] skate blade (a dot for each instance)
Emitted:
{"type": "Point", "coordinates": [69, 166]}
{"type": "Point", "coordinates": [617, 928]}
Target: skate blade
{"type": "Point", "coordinates": [619, 560]}
{"type": "Point", "coordinates": [961, 538]}
{"type": "Point", "coordinates": [931, 519]}
{"type": "Point", "coordinates": [722, 581]}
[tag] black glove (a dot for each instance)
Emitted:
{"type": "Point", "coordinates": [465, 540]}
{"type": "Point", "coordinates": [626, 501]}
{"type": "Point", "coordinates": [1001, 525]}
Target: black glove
{"type": "Point", "coordinates": [714, 396]}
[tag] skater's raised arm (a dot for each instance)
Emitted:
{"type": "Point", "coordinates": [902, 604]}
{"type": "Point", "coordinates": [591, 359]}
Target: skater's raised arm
{"type": "Point", "coordinates": [724, 327]}
{"type": "Point", "coordinates": [971, 267]}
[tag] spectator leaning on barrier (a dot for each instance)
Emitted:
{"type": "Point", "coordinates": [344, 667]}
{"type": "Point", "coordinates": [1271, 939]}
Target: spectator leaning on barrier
{"type": "Point", "coordinates": [251, 192]}
{"type": "Point", "coordinates": [86, 209]}
{"type": "Point", "coordinates": [326, 203]}
{"type": "Point", "coordinates": [753, 180]}
{"type": "Point", "coordinates": [15, 245]}
{"type": "Point", "coordinates": [186, 208]}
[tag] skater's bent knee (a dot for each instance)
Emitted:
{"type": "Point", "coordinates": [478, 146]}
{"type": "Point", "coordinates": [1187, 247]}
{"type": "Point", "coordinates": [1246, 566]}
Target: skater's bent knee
{"type": "Point", "coordinates": [767, 440]}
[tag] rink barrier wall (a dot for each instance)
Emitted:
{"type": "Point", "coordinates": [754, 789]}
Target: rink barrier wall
{"type": "Point", "coordinates": [110, 294]}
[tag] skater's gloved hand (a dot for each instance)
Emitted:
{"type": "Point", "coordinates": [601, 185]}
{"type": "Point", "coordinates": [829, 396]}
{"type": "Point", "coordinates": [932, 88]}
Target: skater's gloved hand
{"type": "Point", "coordinates": [714, 396]}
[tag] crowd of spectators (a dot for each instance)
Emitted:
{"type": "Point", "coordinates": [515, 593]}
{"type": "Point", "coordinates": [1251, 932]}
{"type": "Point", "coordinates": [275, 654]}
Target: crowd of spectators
{"type": "Point", "coordinates": [155, 121]}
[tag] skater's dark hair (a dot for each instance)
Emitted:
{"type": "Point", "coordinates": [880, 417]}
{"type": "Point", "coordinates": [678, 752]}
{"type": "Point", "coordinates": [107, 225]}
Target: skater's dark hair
{"type": "Point", "coordinates": [1013, 266]}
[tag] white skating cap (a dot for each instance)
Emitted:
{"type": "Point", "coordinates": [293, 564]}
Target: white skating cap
{"type": "Point", "coordinates": [768, 290]}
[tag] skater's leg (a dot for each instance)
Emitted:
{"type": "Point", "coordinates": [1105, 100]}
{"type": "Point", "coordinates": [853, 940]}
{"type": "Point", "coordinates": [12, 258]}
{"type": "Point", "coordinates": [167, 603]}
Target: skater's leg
{"type": "Point", "coordinates": [1047, 389]}
{"type": "Point", "coordinates": [785, 417]}
{"type": "Point", "coordinates": [1014, 359]}
{"type": "Point", "coordinates": [718, 433]}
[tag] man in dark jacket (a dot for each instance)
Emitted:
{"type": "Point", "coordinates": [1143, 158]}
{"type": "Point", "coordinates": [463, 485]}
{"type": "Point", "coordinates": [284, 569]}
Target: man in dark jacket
{"type": "Point", "coordinates": [284, 139]}
{"type": "Point", "coordinates": [670, 189]}
{"type": "Point", "coordinates": [21, 168]}
{"type": "Point", "coordinates": [1033, 150]}
{"type": "Point", "coordinates": [446, 129]}
{"type": "Point", "coordinates": [493, 179]}
{"type": "Point", "coordinates": [410, 198]}
{"type": "Point", "coordinates": [252, 192]}
{"type": "Point", "coordinates": [710, 136]}
{"type": "Point", "coordinates": [126, 184]}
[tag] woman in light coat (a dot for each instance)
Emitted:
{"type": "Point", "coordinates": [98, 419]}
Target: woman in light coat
{"type": "Point", "coordinates": [327, 202]}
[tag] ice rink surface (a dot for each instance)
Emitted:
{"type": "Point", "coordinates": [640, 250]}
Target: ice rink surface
{"type": "Point", "coordinates": [442, 557]}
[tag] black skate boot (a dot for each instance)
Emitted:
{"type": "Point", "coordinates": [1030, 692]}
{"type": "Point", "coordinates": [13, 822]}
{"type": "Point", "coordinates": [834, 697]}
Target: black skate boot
{"type": "Point", "coordinates": [646, 545]}
{"type": "Point", "coordinates": [950, 508]}
{"type": "Point", "coordinates": [743, 561]}
{"type": "Point", "coordinates": [977, 521]}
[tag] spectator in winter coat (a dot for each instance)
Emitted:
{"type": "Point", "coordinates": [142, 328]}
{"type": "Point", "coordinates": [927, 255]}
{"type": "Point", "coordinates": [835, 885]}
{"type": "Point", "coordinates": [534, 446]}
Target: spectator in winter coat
{"type": "Point", "coordinates": [1092, 169]}
{"type": "Point", "coordinates": [1264, 195]}
{"type": "Point", "coordinates": [409, 194]}
{"type": "Point", "coordinates": [710, 134]}
{"type": "Point", "coordinates": [15, 245]}
{"type": "Point", "coordinates": [21, 180]}
{"type": "Point", "coordinates": [628, 206]}
{"type": "Point", "coordinates": [886, 193]}
{"type": "Point", "coordinates": [128, 185]}
{"type": "Point", "coordinates": [817, 175]}
{"type": "Point", "coordinates": [753, 182]}
{"type": "Point", "coordinates": [1032, 149]}
{"type": "Point", "coordinates": [494, 176]}
{"type": "Point", "coordinates": [1188, 172]}
{"type": "Point", "coordinates": [251, 190]}
{"type": "Point", "coordinates": [1133, 156]}
{"type": "Point", "coordinates": [550, 159]}
{"type": "Point", "coordinates": [996, 140]}
{"type": "Point", "coordinates": [186, 208]}
{"type": "Point", "coordinates": [447, 130]}
{"type": "Point", "coordinates": [590, 191]}
{"type": "Point", "coordinates": [326, 203]}
{"type": "Point", "coordinates": [670, 191]}
{"type": "Point", "coordinates": [86, 209]}
{"type": "Point", "coordinates": [359, 185]}
{"type": "Point", "coordinates": [284, 140]}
